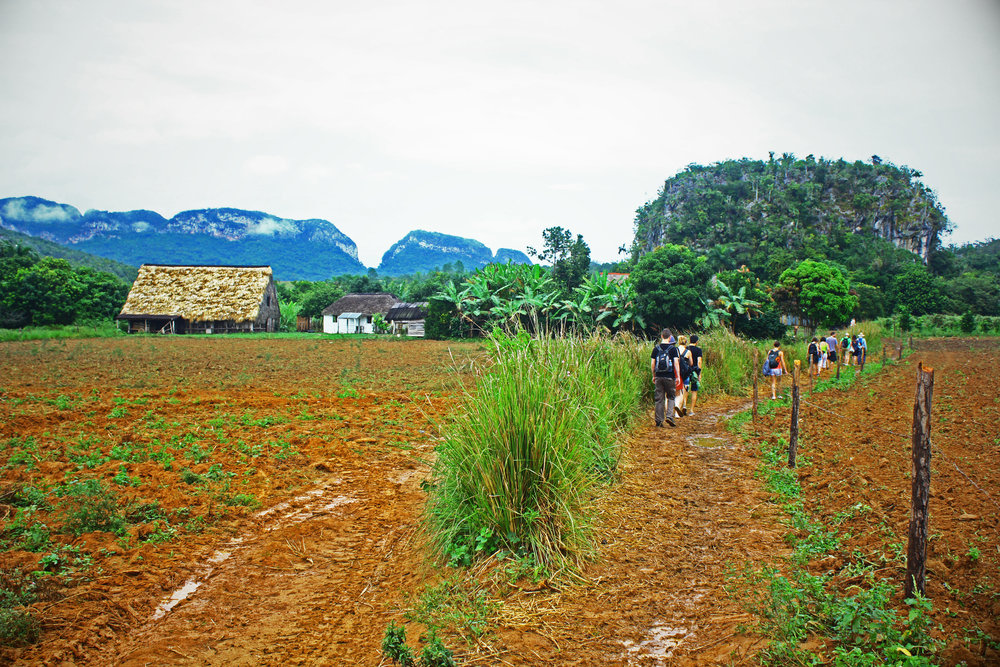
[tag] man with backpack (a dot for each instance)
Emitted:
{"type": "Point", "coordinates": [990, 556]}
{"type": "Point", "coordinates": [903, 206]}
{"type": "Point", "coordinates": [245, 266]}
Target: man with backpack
{"type": "Point", "coordinates": [666, 371]}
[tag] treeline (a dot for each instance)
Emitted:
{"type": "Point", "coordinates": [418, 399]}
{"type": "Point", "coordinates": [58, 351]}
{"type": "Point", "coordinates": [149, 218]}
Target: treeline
{"type": "Point", "coordinates": [40, 291]}
{"type": "Point", "coordinates": [680, 287]}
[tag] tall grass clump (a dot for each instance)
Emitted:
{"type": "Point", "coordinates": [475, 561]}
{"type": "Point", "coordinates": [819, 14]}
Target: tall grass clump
{"type": "Point", "coordinates": [519, 459]}
{"type": "Point", "coordinates": [728, 363]}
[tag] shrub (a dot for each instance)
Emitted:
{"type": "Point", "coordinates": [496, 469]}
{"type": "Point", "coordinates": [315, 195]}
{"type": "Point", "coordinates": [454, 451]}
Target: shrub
{"type": "Point", "coordinates": [394, 645]}
{"type": "Point", "coordinates": [17, 627]}
{"type": "Point", "coordinates": [89, 506]}
{"type": "Point", "coordinates": [968, 323]}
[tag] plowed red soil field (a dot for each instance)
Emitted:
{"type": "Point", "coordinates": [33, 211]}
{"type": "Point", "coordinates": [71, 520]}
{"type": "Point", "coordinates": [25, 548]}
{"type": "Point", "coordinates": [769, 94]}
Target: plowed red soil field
{"type": "Point", "coordinates": [271, 496]}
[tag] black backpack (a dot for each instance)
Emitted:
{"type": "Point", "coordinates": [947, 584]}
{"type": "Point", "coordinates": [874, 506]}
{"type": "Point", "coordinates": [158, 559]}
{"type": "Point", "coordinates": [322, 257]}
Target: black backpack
{"type": "Point", "coordinates": [685, 365]}
{"type": "Point", "coordinates": [813, 350]}
{"type": "Point", "coordinates": [772, 357]}
{"type": "Point", "coordinates": [663, 358]}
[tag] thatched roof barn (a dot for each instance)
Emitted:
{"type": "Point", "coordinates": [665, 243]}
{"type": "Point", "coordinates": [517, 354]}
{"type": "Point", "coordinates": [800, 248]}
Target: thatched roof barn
{"type": "Point", "coordinates": [202, 299]}
{"type": "Point", "coordinates": [353, 313]}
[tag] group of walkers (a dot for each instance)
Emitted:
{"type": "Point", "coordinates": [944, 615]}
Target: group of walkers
{"type": "Point", "coordinates": [676, 366]}
{"type": "Point", "coordinates": [821, 353]}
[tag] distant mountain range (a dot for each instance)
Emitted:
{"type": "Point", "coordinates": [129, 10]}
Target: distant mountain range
{"type": "Point", "coordinates": [295, 249]}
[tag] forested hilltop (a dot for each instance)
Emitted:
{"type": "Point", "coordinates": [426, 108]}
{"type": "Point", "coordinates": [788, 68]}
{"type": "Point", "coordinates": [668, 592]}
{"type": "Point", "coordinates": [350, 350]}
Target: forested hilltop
{"type": "Point", "coordinates": [771, 214]}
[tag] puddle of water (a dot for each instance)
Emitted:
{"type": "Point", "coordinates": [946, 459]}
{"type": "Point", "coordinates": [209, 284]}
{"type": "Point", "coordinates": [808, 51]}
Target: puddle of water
{"type": "Point", "coordinates": [178, 596]}
{"type": "Point", "coordinates": [662, 641]}
{"type": "Point", "coordinates": [710, 441]}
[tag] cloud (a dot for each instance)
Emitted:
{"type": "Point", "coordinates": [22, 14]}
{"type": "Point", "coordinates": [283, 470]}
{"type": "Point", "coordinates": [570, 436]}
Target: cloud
{"type": "Point", "coordinates": [271, 226]}
{"type": "Point", "coordinates": [17, 209]}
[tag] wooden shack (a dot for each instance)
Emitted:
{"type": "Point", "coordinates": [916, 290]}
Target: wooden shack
{"type": "Point", "coordinates": [170, 298]}
{"type": "Point", "coordinates": [407, 318]}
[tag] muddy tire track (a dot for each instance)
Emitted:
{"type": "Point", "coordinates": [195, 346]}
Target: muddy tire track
{"type": "Point", "coordinates": [311, 584]}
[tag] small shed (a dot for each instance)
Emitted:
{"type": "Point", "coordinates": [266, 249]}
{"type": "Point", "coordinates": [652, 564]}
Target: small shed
{"type": "Point", "coordinates": [353, 313]}
{"type": "Point", "coordinates": [408, 318]}
{"type": "Point", "coordinates": [172, 298]}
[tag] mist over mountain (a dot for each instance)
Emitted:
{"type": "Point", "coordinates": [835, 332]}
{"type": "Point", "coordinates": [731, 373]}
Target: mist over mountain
{"type": "Point", "coordinates": [311, 249]}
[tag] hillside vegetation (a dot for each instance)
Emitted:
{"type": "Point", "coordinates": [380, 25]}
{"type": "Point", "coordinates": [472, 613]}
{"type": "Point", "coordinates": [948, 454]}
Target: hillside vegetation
{"type": "Point", "coordinates": [771, 214]}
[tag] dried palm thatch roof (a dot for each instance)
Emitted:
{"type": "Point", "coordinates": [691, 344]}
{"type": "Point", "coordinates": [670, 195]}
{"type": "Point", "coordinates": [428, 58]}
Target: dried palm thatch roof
{"type": "Point", "coordinates": [366, 304]}
{"type": "Point", "coordinates": [198, 293]}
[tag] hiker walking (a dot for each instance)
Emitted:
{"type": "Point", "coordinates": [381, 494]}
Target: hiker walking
{"type": "Point", "coordinates": [812, 354]}
{"type": "Point", "coordinates": [863, 346]}
{"type": "Point", "coordinates": [831, 341]}
{"type": "Point", "coordinates": [855, 350]}
{"type": "Point", "coordinates": [666, 376]}
{"type": "Point", "coordinates": [774, 366]}
{"type": "Point", "coordinates": [824, 354]}
{"type": "Point", "coordinates": [845, 349]}
{"type": "Point", "coordinates": [685, 366]}
{"type": "Point", "coordinates": [696, 355]}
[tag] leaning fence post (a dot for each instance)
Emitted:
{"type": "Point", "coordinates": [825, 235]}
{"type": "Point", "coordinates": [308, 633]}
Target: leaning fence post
{"type": "Point", "coordinates": [916, 554]}
{"type": "Point", "coordinates": [793, 433]}
{"type": "Point", "coordinates": [753, 413]}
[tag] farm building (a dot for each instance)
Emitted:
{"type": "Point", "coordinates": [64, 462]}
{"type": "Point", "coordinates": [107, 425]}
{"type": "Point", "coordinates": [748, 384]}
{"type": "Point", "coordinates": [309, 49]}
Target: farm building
{"type": "Point", "coordinates": [407, 318]}
{"type": "Point", "coordinates": [202, 299]}
{"type": "Point", "coordinates": [353, 313]}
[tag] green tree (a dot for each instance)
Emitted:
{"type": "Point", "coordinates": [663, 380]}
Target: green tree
{"type": "Point", "coordinates": [670, 284]}
{"type": "Point", "coordinates": [570, 258]}
{"type": "Point", "coordinates": [968, 323]}
{"type": "Point", "coordinates": [49, 292]}
{"type": "Point", "coordinates": [319, 295]}
{"type": "Point", "coordinates": [816, 292]}
{"type": "Point", "coordinates": [918, 291]}
{"type": "Point", "coordinates": [871, 301]}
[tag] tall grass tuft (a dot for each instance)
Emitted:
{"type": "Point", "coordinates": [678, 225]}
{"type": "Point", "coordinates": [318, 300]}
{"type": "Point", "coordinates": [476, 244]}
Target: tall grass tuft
{"type": "Point", "coordinates": [728, 363]}
{"type": "Point", "coordinates": [517, 462]}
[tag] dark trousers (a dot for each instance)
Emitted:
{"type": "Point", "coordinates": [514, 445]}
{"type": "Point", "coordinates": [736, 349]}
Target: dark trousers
{"type": "Point", "coordinates": [664, 387]}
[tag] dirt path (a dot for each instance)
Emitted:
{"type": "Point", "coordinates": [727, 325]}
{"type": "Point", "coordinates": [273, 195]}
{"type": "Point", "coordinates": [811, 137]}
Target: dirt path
{"type": "Point", "coordinates": [688, 510]}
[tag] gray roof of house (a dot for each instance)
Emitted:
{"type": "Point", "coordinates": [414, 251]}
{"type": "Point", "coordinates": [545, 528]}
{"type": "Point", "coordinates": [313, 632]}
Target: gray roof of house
{"type": "Point", "coordinates": [364, 304]}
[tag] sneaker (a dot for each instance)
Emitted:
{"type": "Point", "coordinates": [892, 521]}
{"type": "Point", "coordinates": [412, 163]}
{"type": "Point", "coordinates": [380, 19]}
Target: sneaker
{"type": "Point", "coordinates": [691, 413]}
{"type": "Point", "coordinates": [671, 421]}
{"type": "Point", "coordinates": [659, 424]}
{"type": "Point", "coordinates": [682, 411]}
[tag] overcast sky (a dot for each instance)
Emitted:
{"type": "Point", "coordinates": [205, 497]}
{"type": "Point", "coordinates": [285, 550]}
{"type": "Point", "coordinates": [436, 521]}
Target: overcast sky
{"type": "Point", "coordinates": [490, 120]}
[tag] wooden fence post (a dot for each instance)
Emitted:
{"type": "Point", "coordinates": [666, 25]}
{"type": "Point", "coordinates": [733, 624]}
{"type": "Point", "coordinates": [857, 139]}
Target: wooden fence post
{"type": "Point", "coordinates": [899, 355]}
{"type": "Point", "coordinates": [916, 554]}
{"type": "Point", "coordinates": [793, 434]}
{"type": "Point", "coordinates": [756, 372]}
{"type": "Point", "coordinates": [883, 354]}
